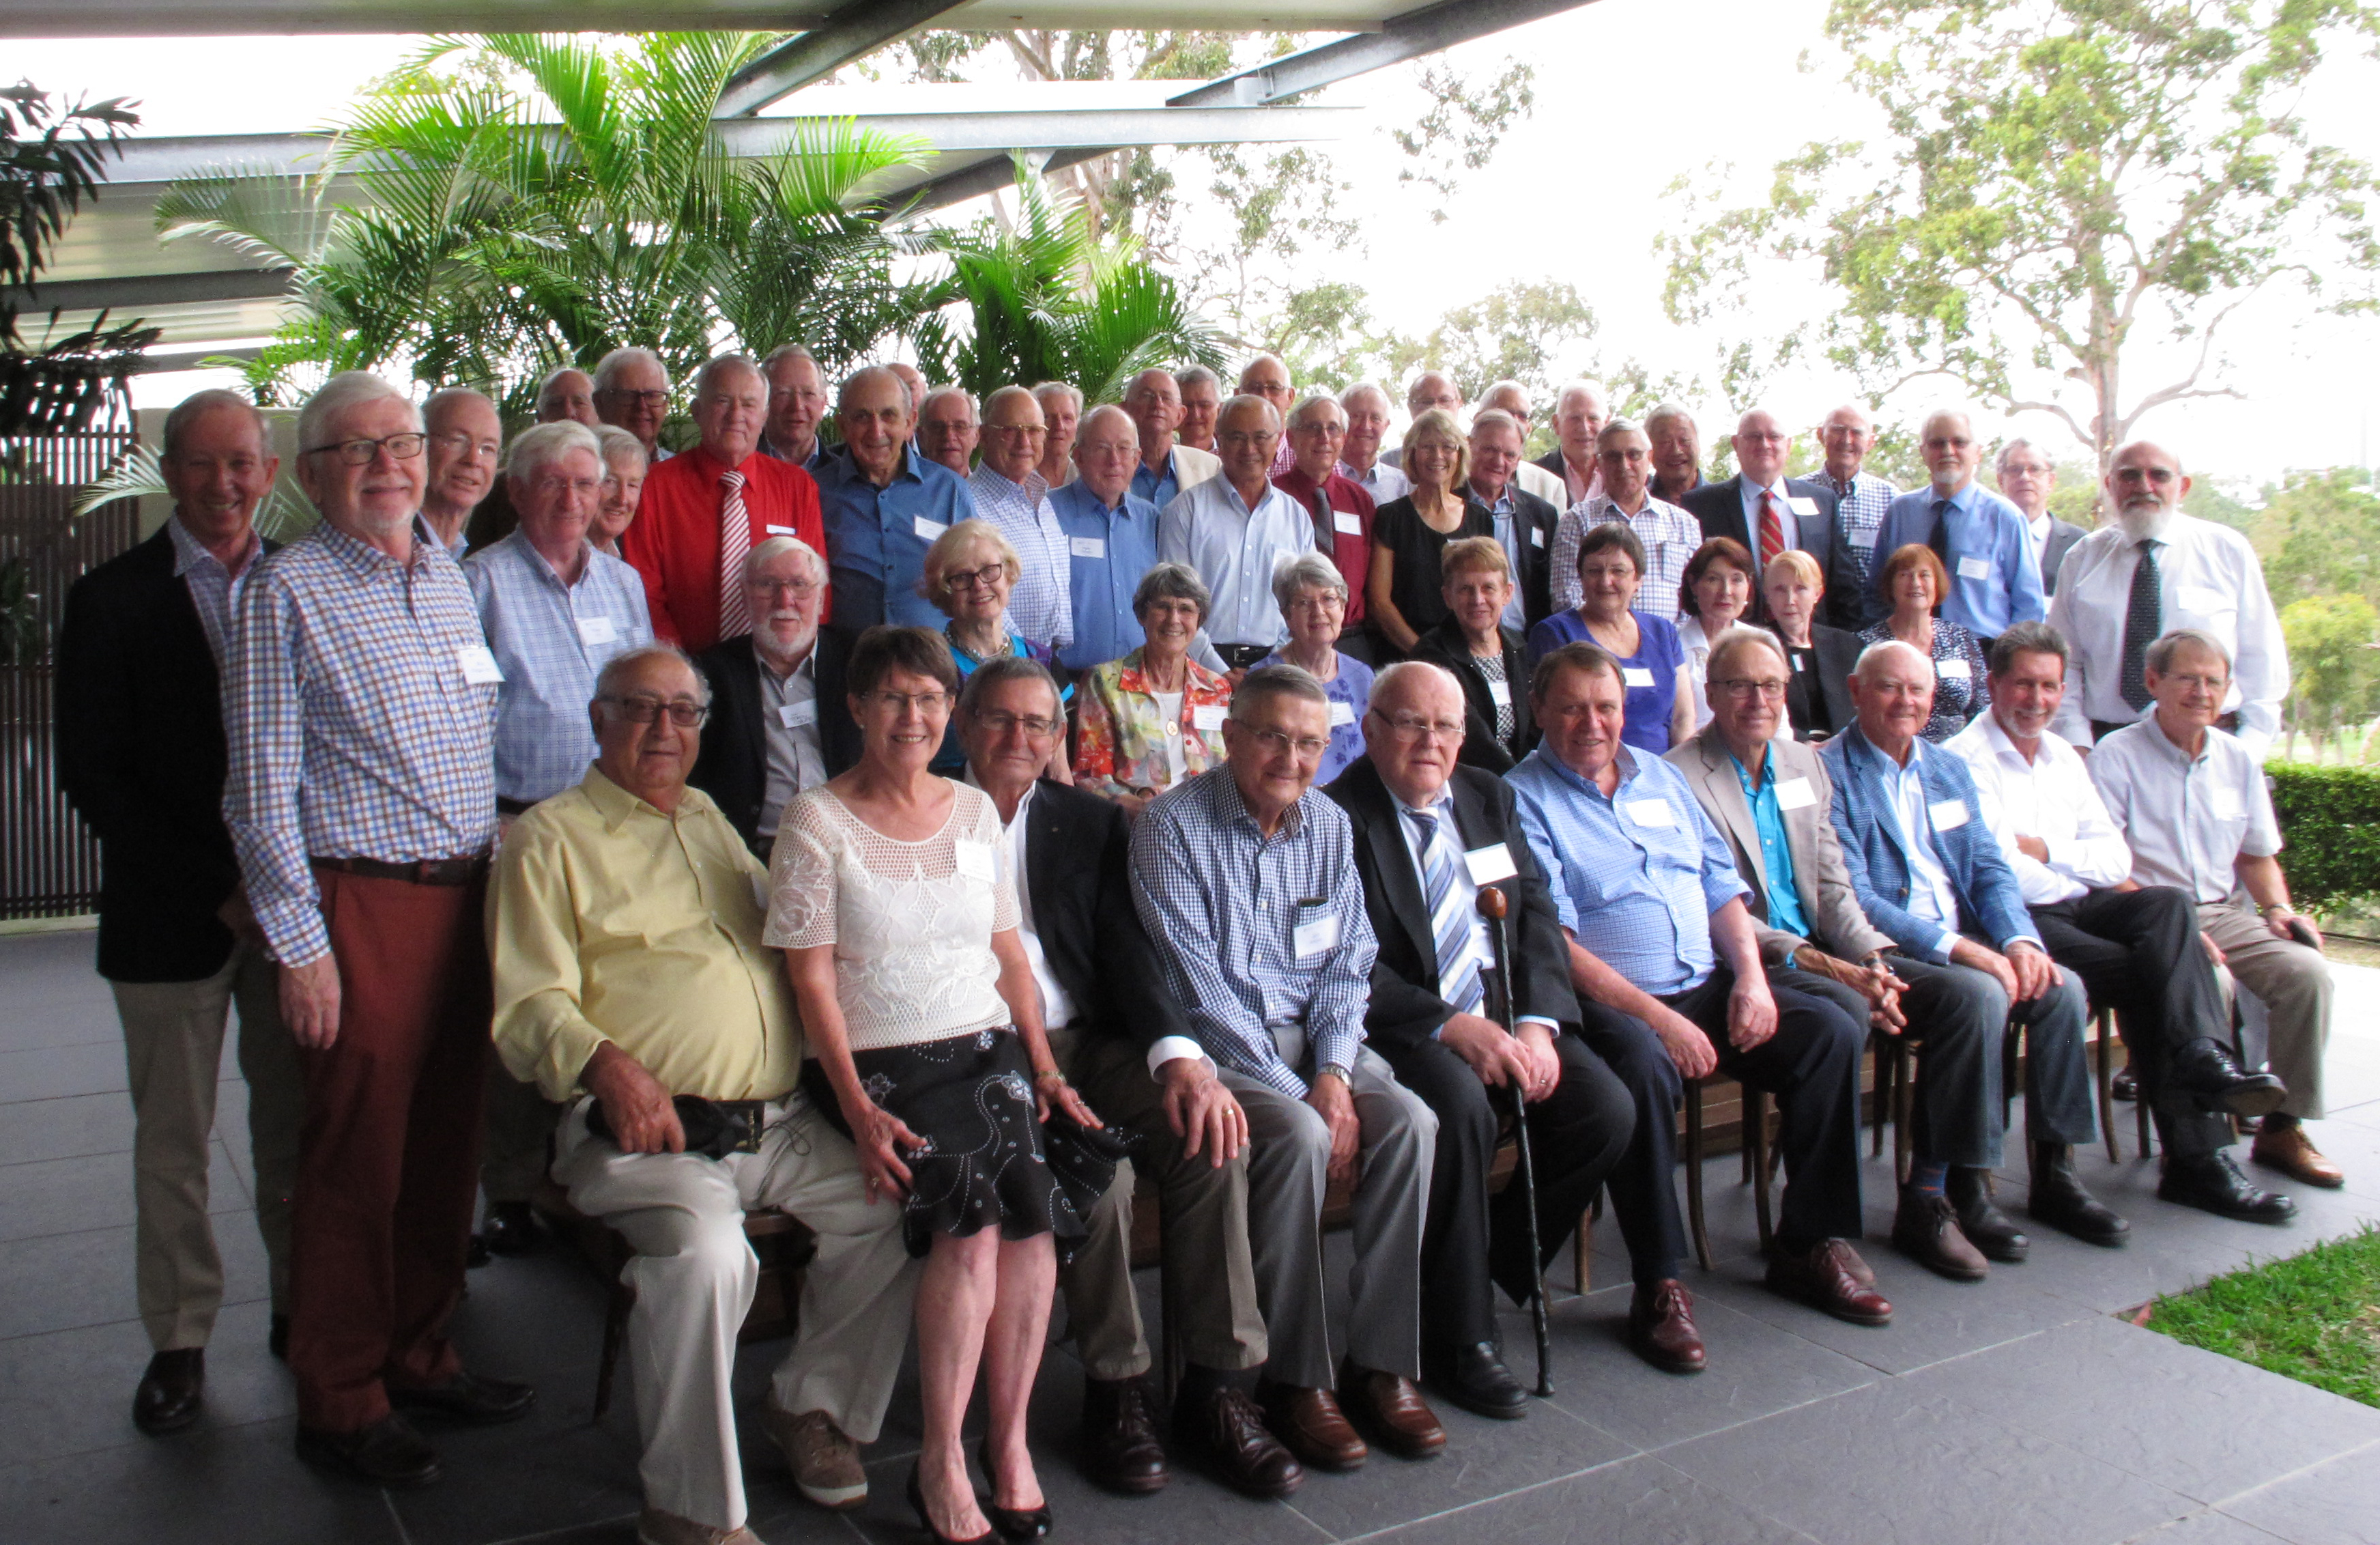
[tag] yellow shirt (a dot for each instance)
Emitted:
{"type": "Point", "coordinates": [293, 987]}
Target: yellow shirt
{"type": "Point", "coordinates": [609, 920]}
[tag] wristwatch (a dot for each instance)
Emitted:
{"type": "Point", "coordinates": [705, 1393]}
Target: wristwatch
{"type": "Point", "coordinates": [1338, 1071]}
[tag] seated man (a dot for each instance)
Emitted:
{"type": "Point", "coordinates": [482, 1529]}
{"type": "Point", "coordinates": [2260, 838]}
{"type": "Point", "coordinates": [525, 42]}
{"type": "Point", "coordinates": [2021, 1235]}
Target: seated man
{"type": "Point", "coordinates": [2190, 800]}
{"type": "Point", "coordinates": [1124, 1043]}
{"type": "Point", "coordinates": [1667, 971]}
{"type": "Point", "coordinates": [626, 916]}
{"type": "Point", "coordinates": [2136, 947]}
{"type": "Point", "coordinates": [1245, 877]}
{"type": "Point", "coordinates": [1428, 835]}
{"type": "Point", "coordinates": [1926, 870]}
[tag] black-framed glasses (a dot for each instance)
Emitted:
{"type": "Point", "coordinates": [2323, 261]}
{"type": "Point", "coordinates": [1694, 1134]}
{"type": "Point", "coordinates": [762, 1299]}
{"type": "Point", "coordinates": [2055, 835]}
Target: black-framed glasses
{"type": "Point", "coordinates": [359, 453]}
{"type": "Point", "coordinates": [1001, 723]}
{"type": "Point", "coordinates": [1740, 687]}
{"type": "Point", "coordinates": [970, 578]}
{"type": "Point", "coordinates": [683, 713]}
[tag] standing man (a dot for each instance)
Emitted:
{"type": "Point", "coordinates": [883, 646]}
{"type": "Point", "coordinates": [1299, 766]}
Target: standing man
{"type": "Point", "coordinates": [1267, 376]}
{"type": "Point", "coordinates": [1677, 452]}
{"type": "Point", "coordinates": [2026, 479]}
{"type": "Point", "coordinates": [632, 392]}
{"type": "Point", "coordinates": [141, 659]}
{"type": "Point", "coordinates": [1010, 493]}
{"type": "Point", "coordinates": [1862, 499]}
{"type": "Point", "coordinates": [1669, 533]}
{"type": "Point", "coordinates": [1166, 468]}
{"type": "Point", "coordinates": [2152, 570]}
{"type": "Point", "coordinates": [361, 801]}
{"type": "Point", "coordinates": [1110, 539]}
{"type": "Point", "coordinates": [1579, 416]}
{"type": "Point", "coordinates": [466, 445]}
{"type": "Point", "coordinates": [1341, 510]}
{"type": "Point", "coordinates": [1432, 388]}
{"type": "Point", "coordinates": [1061, 410]}
{"type": "Point", "coordinates": [797, 406]}
{"type": "Point", "coordinates": [1235, 530]}
{"type": "Point", "coordinates": [568, 393]}
{"type": "Point", "coordinates": [883, 505]}
{"type": "Point", "coordinates": [947, 429]}
{"type": "Point", "coordinates": [1980, 537]}
{"type": "Point", "coordinates": [1525, 523]}
{"type": "Point", "coordinates": [1202, 396]}
{"type": "Point", "coordinates": [1768, 512]}
{"type": "Point", "coordinates": [1511, 397]}
{"type": "Point", "coordinates": [1360, 456]}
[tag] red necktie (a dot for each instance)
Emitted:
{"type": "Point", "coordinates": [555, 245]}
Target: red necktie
{"type": "Point", "coordinates": [1772, 529]}
{"type": "Point", "coordinates": [734, 541]}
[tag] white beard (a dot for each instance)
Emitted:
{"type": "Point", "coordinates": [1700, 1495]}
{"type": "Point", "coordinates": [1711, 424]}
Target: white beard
{"type": "Point", "coordinates": [2139, 525]}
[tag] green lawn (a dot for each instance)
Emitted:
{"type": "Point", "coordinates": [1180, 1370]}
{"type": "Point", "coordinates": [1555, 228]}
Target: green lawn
{"type": "Point", "coordinates": [2314, 1317]}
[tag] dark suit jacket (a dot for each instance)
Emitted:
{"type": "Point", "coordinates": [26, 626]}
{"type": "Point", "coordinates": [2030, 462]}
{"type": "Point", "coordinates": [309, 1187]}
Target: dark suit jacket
{"type": "Point", "coordinates": [1536, 519]}
{"type": "Point", "coordinates": [140, 755]}
{"type": "Point", "coordinates": [734, 765]}
{"type": "Point", "coordinates": [1405, 1008]}
{"type": "Point", "coordinates": [2063, 534]}
{"type": "Point", "coordinates": [1837, 652]}
{"type": "Point", "coordinates": [1078, 870]}
{"type": "Point", "coordinates": [1445, 645]}
{"type": "Point", "coordinates": [1719, 508]}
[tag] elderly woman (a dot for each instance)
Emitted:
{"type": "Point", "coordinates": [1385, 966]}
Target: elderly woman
{"type": "Point", "coordinates": [1486, 656]}
{"type": "Point", "coordinates": [1916, 582]}
{"type": "Point", "coordinates": [968, 573]}
{"type": "Point", "coordinates": [1714, 596]}
{"type": "Point", "coordinates": [894, 897]}
{"type": "Point", "coordinates": [1313, 596]}
{"type": "Point", "coordinates": [1818, 695]}
{"type": "Point", "coordinates": [1405, 594]}
{"type": "Point", "coordinates": [623, 480]}
{"type": "Point", "coordinates": [1660, 703]}
{"type": "Point", "coordinates": [1156, 716]}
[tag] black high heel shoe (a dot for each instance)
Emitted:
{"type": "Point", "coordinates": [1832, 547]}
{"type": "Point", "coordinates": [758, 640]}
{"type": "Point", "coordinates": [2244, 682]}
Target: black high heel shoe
{"type": "Point", "coordinates": [917, 1501]}
{"type": "Point", "coordinates": [1009, 1522]}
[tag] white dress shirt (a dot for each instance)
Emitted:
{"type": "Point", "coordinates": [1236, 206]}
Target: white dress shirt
{"type": "Point", "coordinates": [2051, 798]}
{"type": "Point", "coordinates": [2209, 578]}
{"type": "Point", "coordinates": [2187, 819]}
{"type": "Point", "coordinates": [1236, 550]}
{"type": "Point", "coordinates": [1481, 951]}
{"type": "Point", "coordinates": [1533, 479]}
{"type": "Point", "coordinates": [1930, 894]}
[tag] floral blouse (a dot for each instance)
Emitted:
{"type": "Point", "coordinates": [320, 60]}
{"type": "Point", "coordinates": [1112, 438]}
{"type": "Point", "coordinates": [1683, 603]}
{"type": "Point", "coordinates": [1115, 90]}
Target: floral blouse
{"type": "Point", "coordinates": [1120, 745]}
{"type": "Point", "coordinates": [1960, 689]}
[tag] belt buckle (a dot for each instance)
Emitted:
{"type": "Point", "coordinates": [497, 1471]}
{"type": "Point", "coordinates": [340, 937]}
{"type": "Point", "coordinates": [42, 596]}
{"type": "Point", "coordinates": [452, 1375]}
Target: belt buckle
{"type": "Point", "coordinates": [755, 1113]}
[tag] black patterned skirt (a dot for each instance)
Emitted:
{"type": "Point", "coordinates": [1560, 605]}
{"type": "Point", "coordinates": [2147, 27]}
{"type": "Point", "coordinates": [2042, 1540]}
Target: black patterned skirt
{"type": "Point", "coordinates": [988, 1160]}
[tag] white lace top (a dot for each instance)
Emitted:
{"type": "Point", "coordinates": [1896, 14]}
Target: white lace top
{"type": "Point", "coordinates": [911, 922]}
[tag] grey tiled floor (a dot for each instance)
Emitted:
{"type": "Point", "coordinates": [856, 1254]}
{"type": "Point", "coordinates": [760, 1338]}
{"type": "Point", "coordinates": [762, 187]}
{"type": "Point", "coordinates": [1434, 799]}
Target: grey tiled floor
{"type": "Point", "coordinates": [2021, 1410]}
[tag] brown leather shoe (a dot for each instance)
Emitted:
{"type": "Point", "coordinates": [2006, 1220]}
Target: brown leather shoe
{"type": "Point", "coordinates": [1391, 1410]}
{"type": "Point", "coordinates": [1926, 1230]}
{"type": "Point", "coordinates": [1662, 1327]}
{"type": "Point", "coordinates": [1225, 1424]}
{"type": "Point", "coordinates": [2289, 1150]}
{"type": "Point", "coordinates": [1310, 1423]}
{"type": "Point", "coordinates": [1828, 1278]}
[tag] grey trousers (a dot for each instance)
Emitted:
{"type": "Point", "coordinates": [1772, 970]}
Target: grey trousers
{"type": "Point", "coordinates": [1288, 1173]}
{"type": "Point", "coordinates": [173, 1052]}
{"type": "Point", "coordinates": [2293, 983]}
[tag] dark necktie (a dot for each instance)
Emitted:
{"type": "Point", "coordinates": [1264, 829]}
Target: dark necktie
{"type": "Point", "coordinates": [2143, 621]}
{"type": "Point", "coordinates": [1939, 538]}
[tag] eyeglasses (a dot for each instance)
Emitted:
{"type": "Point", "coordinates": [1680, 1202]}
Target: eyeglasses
{"type": "Point", "coordinates": [359, 453]}
{"type": "Point", "coordinates": [970, 578]}
{"type": "Point", "coordinates": [1001, 723]}
{"type": "Point", "coordinates": [1409, 726]}
{"type": "Point", "coordinates": [1027, 430]}
{"type": "Point", "coordinates": [647, 399]}
{"type": "Point", "coordinates": [554, 488]}
{"type": "Point", "coordinates": [800, 589]}
{"type": "Point", "coordinates": [476, 449]}
{"type": "Point", "coordinates": [685, 714]}
{"type": "Point", "coordinates": [1308, 747]}
{"type": "Point", "coordinates": [900, 703]}
{"type": "Point", "coordinates": [1738, 686]}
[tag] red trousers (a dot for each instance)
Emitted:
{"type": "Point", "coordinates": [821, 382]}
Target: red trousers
{"type": "Point", "coordinates": [388, 1158]}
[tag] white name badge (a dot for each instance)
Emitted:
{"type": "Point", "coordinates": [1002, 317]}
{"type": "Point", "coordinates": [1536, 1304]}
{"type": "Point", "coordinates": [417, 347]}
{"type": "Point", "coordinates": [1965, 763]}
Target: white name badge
{"type": "Point", "coordinates": [1797, 661]}
{"type": "Point", "coordinates": [1975, 569]}
{"type": "Point", "coordinates": [1342, 713]}
{"type": "Point", "coordinates": [973, 859]}
{"type": "Point", "coordinates": [2224, 803]}
{"type": "Point", "coordinates": [1500, 693]}
{"type": "Point", "coordinates": [1803, 506]}
{"type": "Point", "coordinates": [1651, 813]}
{"type": "Point", "coordinates": [1312, 938]}
{"type": "Point", "coordinates": [596, 630]}
{"type": "Point", "coordinates": [1209, 716]}
{"type": "Point", "coordinates": [784, 531]}
{"type": "Point", "coordinates": [1489, 864]}
{"type": "Point", "coordinates": [1635, 676]}
{"type": "Point", "coordinates": [1537, 536]}
{"type": "Point", "coordinates": [1864, 541]}
{"type": "Point", "coordinates": [794, 715]}
{"type": "Point", "coordinates": [1954, 670]}
{"type": "Point", "coordinates": [1347, 521]}
{"type": "Point", "coordinates": [1088, 547]}
{"type": "Point", "coordinates": [480, 667]}
{"type": "Point", "coordinates": [928, 530]}
{"type": "Point", "coordinates": [1949, 814]}
{"type": "Point", "coordinates": [1795, 794]}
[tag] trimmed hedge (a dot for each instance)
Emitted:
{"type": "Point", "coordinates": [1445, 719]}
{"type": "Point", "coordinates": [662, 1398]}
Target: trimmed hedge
{"type": "Point", "coordinates": [2330, 826]}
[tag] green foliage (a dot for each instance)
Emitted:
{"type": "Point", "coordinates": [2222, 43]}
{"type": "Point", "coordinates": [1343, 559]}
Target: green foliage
{"type": "Point", "coordinates": [1537, 333]}
{"type": "Point", "coordinates": [1467, 118]}
{"type": "Point", "coordinates": [2313, 1316]}
{"type": "Point", "coordinates": [2335, 660]}
{"type": "Point", "coordinates": [2331, 816]}
{"type": "Point", "coordinates": [2320, 535]}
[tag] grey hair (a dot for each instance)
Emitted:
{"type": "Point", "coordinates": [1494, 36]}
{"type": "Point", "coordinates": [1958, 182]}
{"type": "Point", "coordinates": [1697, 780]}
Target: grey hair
{"type": "Point", "coordinates": [783, 352]}
{"type": "Point", "coordinates": [620, 665]}
{"type": "Point", "coordinates": [1999, 463]}
{"type": "Point", "coordinates": [871, 372]}
{"type": "Point", "coordinates": [177, 422]}
{"type": "Point", "coordinates": [1662, 414]}
{"type": "Point", "coordinates": [1508, 384]}
{"type": "Point", "coordinates": [608, 369]}
{"type": "Point", "coordinates": [1066, 389]}
{"type": "Point", "coordinates": [1374, 387]}
{"type": "Point", "coordinates": [1495, 417]}
{"type": "Point", "coordinates": [2160, 653]}
{"type": "Point", "coordinates": [1009, 394]}
{"type": "Point", "coordinates": [1082, 428]}
{"type": "Point", "coordinates": [346, 390]}
{"type": "Point", "coordinates": [1620, 426]}
{"type": "Point", "coordinates": [1307, 570]}
{"type": "Point", "coordinates": [544, 443]}
{"type": "Point", "coordinates": [545, 383]}
{"type": "Point", "coordinates": [1310, 406]}
{"type": "Point", "coordinates": [447, 394]}
{"type": "Point", "coordinates": [777, 547]}
{"type": "Point", "coordinates": [1172, 582]}
{"type": "Point", "coordinates": [1197, 375]}
{"type": "Point", "coordinates": [1735, 636]}
{"type": "Point", "coordinates": [1000, 669]}
{"type": "Point", "coordinates": [714, 368]}
{"type": "Point", "coordinates": [616, 441]}
{"type": "Point", "coordinates": [959, 392]}
{"type": "Point", "coordinates": [1413, 391]}
{"type": "Point", "coordinates": [1267, 682]}
{"type": "Point", "coordinates": [1877, 652]}
{"type": "Point", "coordinates": [1595, 389]}
{"type": "Point", "coordinates": [2024, 638]}
{"type": "Point", "coordinates": [1248, 399]}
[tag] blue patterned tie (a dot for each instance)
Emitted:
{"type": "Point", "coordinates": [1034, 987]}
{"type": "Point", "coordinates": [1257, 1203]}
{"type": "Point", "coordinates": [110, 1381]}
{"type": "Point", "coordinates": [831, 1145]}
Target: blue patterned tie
{"type": "Point", "coordinates": [1450, 923]}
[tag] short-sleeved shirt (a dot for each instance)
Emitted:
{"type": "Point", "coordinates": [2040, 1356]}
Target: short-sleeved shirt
{"type": "Point", "coordinates": [1650, 674]}
{"type": "Point", "coordinates": [2188, 819]}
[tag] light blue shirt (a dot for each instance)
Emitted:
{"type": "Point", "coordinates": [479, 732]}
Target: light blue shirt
{"type": "Point", "coordinates": [1158, 487]}
{"type": "Point", "coordinates": [551, 640]}
{"type": "Point", "coordinates": [1108, 551]}
{"type": "Point", "coordinates": [1235, 549]}
{"type": "Point", "coordinates": [1775, 853]}
{"type": "Point", "coordinates": [1508, 536]}
{"type": "Point", "coordinates": [876, 538]}
{"type": "Point", "coordinates": [1995, 579]}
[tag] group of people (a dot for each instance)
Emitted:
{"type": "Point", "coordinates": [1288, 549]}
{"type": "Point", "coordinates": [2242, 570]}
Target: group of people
{"type": "Point", "coordinates": [945, 835]}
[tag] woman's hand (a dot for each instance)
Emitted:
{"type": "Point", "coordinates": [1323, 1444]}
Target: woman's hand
{"type": "Point", "coordinates": [880, 1136]}
{"type": "Point", "coordinates": [1057, 1094]}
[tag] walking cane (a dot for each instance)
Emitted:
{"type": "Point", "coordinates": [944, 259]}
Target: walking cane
{"type": "Point", "coordinates": [1495, 908]}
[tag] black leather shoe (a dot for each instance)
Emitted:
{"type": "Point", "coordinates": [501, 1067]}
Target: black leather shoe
{"type": "Point", "coordinates": [276, 1338]}
{"type": "Point", "coordinates": [1225, 1424]}
{"type": "Point", "coordinates": [2058, 1200]}
{"type": "Point", "coordinates": [468, 1400]}
{"type": "Point", "coordinates": [388, 1453]}
{"type": "Point", "coordinates": [1475, 1378]}
{"type": "Point", "coordinates": [1986, 1227]}
{"type": "Point", "coordinates": [1117, 1447]}
{"type": "Point", "coordinates": [169, 1397]}
{"type": "Point", "coordinates": [509, 1229]}
{"type": "Point", "coordinates": [2207, 1069]}
{"type": "Point", "coordinates": [2213, 1183]}
{"type": "Point", "coordinates": [1011, 1523]}
{"type": "Point", "coordinates": [2125, 1085]}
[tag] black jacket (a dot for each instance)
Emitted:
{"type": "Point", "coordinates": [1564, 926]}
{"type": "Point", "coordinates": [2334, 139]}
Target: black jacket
{"type": "Point", "coordinates": [1719, 508]}
{"type": "Point", "coordinates": [1405, 1006]}
{"type": "Point", "coordinates": [733, 767]}
{"type": "Point", "coordinates": [1445, 645]}
{"type": "Point", "coordinates": [141, 757]}
{"type": "Point", "coordinates": [1536, 519]}
{"type": "Point", "coordinates": [1837, 652]}
{"type": "Point", "coordinates": [1079, 872]}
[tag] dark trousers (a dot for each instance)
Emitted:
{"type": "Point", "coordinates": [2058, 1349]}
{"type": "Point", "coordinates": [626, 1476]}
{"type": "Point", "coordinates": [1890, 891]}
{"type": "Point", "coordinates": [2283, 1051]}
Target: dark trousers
{"type": "Point", "coordinates": [1811, 1065]}
{"type": "Point", "coordinates": [1577, 1135]}
{"type": "Point", "coordinates": [2138, 953]}
{"type": "Point", "coordinates": [388, 1157]}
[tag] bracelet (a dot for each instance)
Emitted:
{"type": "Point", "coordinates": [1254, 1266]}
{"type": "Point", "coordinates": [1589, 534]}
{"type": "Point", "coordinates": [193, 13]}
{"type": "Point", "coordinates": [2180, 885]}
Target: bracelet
{"type": "Point", "coordinates": [1052, 1076]}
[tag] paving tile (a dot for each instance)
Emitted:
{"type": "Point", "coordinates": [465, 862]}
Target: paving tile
{"type": "Point", "coordinates": [524, 1479]}
{"type": "Point", "coordinates": [68, 1196]}
{"type": "Point", "coordinates": [62, 1281]}
{"type": "Point", "coordinates": [2335, 1503]}
{"type": "Point", "coordinates": [1190, 1508]}
{"type": "Point", "coordinates": [70, 1392]}
{"type": "Point", "coordinates": [2209, 1527]}
{"type": "Point", "coordinates": [65, 1128]}
{"type": "Point", "coordinates": [1637, 1502]}
{"type": "Point", "coordinates": [48, 1072]}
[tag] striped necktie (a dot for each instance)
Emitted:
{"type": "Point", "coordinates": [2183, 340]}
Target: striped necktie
{"type": "Point", "coordinates": [735, 542]}
{"type": "Point", "coordinates": [1772, 530]}
{"type": "Point", "coordinates": [1449, 920]}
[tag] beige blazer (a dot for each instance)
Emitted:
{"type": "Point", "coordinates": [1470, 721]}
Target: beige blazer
{"type": "Point", "coordinates": [1193, 467]}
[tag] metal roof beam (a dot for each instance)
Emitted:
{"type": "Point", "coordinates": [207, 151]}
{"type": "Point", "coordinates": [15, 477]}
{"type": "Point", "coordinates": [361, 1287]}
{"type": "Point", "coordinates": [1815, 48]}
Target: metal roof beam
{"type": "Point", "coordinates": [152, 289]}
{"type": "Point", "coordinates": [857, 29]}
{"type": "Point", "coordinates": [1400, 38]}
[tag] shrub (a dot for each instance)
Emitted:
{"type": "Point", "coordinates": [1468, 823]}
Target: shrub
{"type": "Point", "coordinates": [2330, 822]}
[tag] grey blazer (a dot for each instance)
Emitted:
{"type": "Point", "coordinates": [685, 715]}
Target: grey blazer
{"type": "Point", "coordinates": [2063, 534]}
{"type": "Point", "coordinates": [1825, 885]}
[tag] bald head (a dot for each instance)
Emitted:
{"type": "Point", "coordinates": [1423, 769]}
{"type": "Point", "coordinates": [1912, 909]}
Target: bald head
{"type": "Point", "coordinates": [1413, 729]}
{"type": "Point", "coordinates": [1267, 376]}
{"type": "Point", "coordinates": [1433, 389]}
{"type": "Point", "coordinates": [1892, 691]}
{"type": "Point", "coordinates": [568, 393]}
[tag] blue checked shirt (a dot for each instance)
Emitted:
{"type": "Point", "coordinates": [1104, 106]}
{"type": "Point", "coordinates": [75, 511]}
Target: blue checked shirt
{"type": "Point", "coordinates": [215, 590]}
{"type": "Point", "coordinates": [1040, 606]}
{"type": "Point", "coordinates": [550, 643]}
{"type": "Point", "coordinates": [1860, 508]}
{"type": "Point", "coordinates": [1109, 550]}
{"type": "Point", "coordinates": [353, 732]}
{"type": "Point", "coordinates": [1636, 876]}
{"type": "Point", "coordinates": [1254, 932]}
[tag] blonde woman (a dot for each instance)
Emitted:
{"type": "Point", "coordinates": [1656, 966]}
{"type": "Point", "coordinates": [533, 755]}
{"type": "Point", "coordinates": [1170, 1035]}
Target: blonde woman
{"type": "Point", "coordinates": [1405, 595]}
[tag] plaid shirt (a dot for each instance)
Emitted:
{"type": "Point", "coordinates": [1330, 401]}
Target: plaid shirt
{"type": "Point", "coordinates": [550, 643]}
{"type": "Point", "coordinates": [1669, 536]}
{"type": "Point", "coordinates": [1041, 606]}
{"type": "Point", "coordinates": [1860, 509]}
{"type": "Point", "coordinates": [1228, 909]}
{"type": "Point", "coordinates": [215, 590]}
{"type": "Point", "coordinates": [353, 732]}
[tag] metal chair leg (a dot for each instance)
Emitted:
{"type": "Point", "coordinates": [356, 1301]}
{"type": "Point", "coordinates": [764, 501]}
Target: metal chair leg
{"type": "Point", "coordinates": [1904, 1110]}
{"type": "Point", "coordinates": [1694, 1172]}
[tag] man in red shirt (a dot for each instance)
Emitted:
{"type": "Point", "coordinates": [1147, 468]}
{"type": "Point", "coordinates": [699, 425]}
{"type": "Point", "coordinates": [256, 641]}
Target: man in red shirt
{"type": "Point", "coordinates": [701, 511]}
{"type": "Point", "coordinates": [1341, 510]}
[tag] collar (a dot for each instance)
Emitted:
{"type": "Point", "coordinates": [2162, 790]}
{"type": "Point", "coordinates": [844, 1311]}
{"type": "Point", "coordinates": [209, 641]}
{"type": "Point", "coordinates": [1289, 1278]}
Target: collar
{"type": "Point", "coordinates": [1034, 488]}
{"type": "Point", "coordinates": [1503, 505]}
{"type": "Point", "coordinates": [618, 807]}
{"type": "Point", "coordinates": [1625, 759]}
{"type": "Point", "coordinates": [1130, 679]}
{"type": "Point", "coordinates": [542, 566]}
{"type": "Point", "coordinates": [1221, 483]}
{"type": "Point", "coordinates": [807, 663]}
{"type": "Point", "coordinates": [1753, 784]}
{"type": "Point", "coordinates": [1083, 494]}
{"type": "Point", "coordinates": [1443, 805]}
{"type": "Point", "coordinates": [1777, 490]}
{"type": "Point", "coordinates": [1024, 802]}
{"type": "Point", "coordinates": [2004, 746]}
{"type": "Point", "coordinates": [1231, 809]}
{"type": "Point", "coordinates": [2165, 742]}
{"type": "Point", "coordinates": [369, 562]}
{"type": "Point", "coordinates": [1963, 501]}
{"type": "Point", "coordinates": [190, 552]}
{"type": "Point", "coordinates": [712, 468]}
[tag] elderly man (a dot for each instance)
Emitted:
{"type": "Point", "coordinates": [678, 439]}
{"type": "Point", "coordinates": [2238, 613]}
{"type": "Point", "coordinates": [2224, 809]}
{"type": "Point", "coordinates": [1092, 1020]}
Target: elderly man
{"type": "Point", "coordinates": [948, 431]}
{"type": "Point", "coordinates": [141, 658]}
{"type": "Point", "coordinates": [1511, 397]}
{"type": "Point", "coordinates": [1267, 376]}
{"type": "Point", "coordinates": [2192, 802]}
{"type": "Point", "coordinates": [1862, 499]}
{"type": "Point", "coordinates": [1235, 530]}
{"type": "Point", "coordinates": [1624, 453]}
{"type": "Point", "coordinates": [2026, 479]}
{"type": "Point", "coordinates": [1201, 391]}
{"type": "Point", "coordinates": [1167, 468]}
{"type": "Point", "coordinates": [1125, 1045]}
{"type": "Point", "coordinates": [1579, 416]}
{"type": "Point", "coordinates": [797, 406]}
{"type": "Point", "coordinates": [1244, 877]}
{"type": "Point", "coordinates": [1431, 388]}
{"type": "Point", "coordinates": [1980, 537]}
{"type": "Point", "coordinates": [2152, 570]}
{"type": "Point", "coordinates": [701, 512]}
{"type": "Point", "coordinates": [1061, 410]}
{"type": "Point", "coordinates": [1110, 539]}
{"type": "Point", "coordinates": [1677, 449]}
{"type": "Point", "coordinates": [1926, 870]}
{"type": "Point", "coordinates": [1525, 524]}
{"type": "Point", "coordinates": [1341, 510]}
{"type": "Point", "coordinates": [568, 393]}
{"type": "Point", "coordinates": [632, 392]}
{"type": "Point", "coordinates": [1010, 493]}
{"type": "Point", "coordinates": [883, 505]}
{"type": "Point", "coordinates": [631, 981]}
{"type": "Point", "coordinates": [2136, 947]}
{"type": "Point", "coordinates": [1768, 512]}
{"type": "Point", "coordinates": [361, 800]}
{"type": "Point", "coordinates": [467, 443]}
{"type": "Point", "coordinates": [1360, 454]}
{"type": "Point", "coordinates": [1429, 834]}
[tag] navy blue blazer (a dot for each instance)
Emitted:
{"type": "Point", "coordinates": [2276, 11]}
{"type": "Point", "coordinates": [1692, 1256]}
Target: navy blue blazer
{"type": "Point", "coordinates": [1875, 851]}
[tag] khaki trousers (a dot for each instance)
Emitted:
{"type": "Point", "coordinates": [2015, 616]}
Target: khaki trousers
{"type": "Point", "coordinates": [2293, 983]}
{"type": "Point", "coordinates": [173, 1052]}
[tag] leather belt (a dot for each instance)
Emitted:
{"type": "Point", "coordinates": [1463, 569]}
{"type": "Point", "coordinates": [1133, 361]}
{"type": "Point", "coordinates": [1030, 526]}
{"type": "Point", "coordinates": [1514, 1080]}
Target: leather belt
{"type": "Point", "coordinates": [420, 871]}
{"type": "Point", "coordinates": [1241, 657]}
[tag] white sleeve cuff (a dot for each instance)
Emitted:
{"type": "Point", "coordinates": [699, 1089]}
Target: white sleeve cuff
{"type": "Point", "coordinates": [1551, 1027]}
{"type": "Point", "coordinates": [1172, 1048]}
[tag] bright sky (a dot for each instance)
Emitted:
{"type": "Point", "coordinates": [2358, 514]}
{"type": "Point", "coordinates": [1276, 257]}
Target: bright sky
{"type": "Point", "coordinates": [1623, 104]}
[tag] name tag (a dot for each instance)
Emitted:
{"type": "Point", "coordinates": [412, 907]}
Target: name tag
{"type": "Point", "coordinates": [595, 631]}
{"type": "Point", "coordinates": [928, 530]}
{"type": "Point", "coordinates": [1347, 521]}
{"type": "Point", "coordinates": [1795, 794]}
{"type": "Point", "coordinates": [1312, 938]}
{"type": "Point", "coordinates": [1954, 670]}
{"type": "Point", "coordinates": [785, 531]}
{"type": "Point", "coordinates": [1088, 547]}
{"type": "Point", "coordinates": [1864, 541]}
{"type": "Point", "coordinates": [1651, 813]}
{"type": "Point", "coordinates": [1975, 569]}
{"type": "Point", "coordinates": [480, 667]}
{"type": "Point", "coordinates": [1342, 713]}
{"type": "Point", "coordinates": [1537, 536]}
{"type": "Point", "coordinates": [794, 715]}
{"type": "Point", "coordinates": [1209, 716]}
{"type": "Point", "coordinates": [1500, 693]}
{"type": "Point", "coordinates": [1797, 661]}
{"type": "Point", "coordinates": [974, 860]}
{"type": "Point", "coordinates": [2225, 802]}
{"type": "Point", "coordinates": [1803, 506]}
{"type": "Point", "coordinates": [1635, 676]}
{"type": "Point", "coordinates": [1490, 864]}
{"type": "Point", "coordinates": [1949, 814]}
